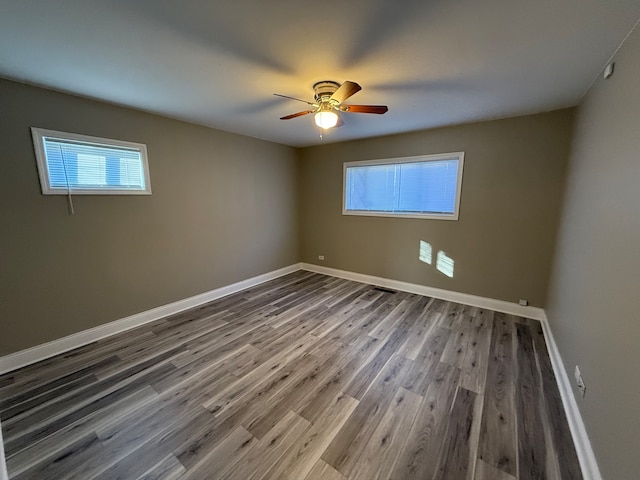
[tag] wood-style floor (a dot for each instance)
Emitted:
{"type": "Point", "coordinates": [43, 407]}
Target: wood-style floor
{"type": "Point", "coordinates": [304, 377]}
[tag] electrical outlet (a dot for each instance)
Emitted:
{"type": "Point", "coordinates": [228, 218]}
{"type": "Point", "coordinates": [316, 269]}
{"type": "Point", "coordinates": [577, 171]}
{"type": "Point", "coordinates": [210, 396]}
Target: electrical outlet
{"type": "Point", "coordinates": [579, 381]}
{"type": "Point", "coordinates": [523, 302]}
{"type": "Point", "coordinates": [320, 257]}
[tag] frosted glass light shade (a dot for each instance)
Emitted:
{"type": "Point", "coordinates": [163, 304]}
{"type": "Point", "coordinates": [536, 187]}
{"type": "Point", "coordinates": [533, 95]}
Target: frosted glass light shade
{"type": "Point", "coordinates": [326, 119]}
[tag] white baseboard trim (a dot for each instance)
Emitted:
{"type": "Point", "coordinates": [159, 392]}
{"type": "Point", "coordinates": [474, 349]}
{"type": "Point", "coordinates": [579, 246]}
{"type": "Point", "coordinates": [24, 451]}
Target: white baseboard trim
{"type": "Point", "coordinates": [41, 352]}
{"type": "Point", "coordinates": [449, 295]}
{"type": "Point", "coordinates": [586, 456]}
{"type": "Point", "coordinates": [3, 464]}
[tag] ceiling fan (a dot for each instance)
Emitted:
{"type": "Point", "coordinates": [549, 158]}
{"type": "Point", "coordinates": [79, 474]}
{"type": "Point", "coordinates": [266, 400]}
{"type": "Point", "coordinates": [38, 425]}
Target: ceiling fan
{"type": "Point", "coordinates": [329, 97]}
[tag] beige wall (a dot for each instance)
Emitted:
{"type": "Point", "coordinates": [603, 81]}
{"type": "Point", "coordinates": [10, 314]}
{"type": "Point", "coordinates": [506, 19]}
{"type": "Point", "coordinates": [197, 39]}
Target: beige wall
{"type": "Point", "coordinates": [223, 209]}
{"type": "Point", "coordinates": [593, 309]}
{"type": "Point", "coordinates": [513, 179]}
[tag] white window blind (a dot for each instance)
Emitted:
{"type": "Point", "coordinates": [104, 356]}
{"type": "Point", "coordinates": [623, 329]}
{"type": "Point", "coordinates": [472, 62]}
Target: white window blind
{"type": "Point", "coordinates": [79, 164]}
{"type": "Point", "coordinates": [425, 187]}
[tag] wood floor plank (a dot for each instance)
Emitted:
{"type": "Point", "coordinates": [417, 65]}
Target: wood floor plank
{"type": "Point", "coordinates": [340, 368]}
{"type": "Point", "coordinates": [459, 451]}
{"type": "Point", "coordinates": [135, 375]}
{"type": "Point", "coordinates": [6, 380]}
{"type": "Point", "coordinates": [47, 449]}
{"type": "Point", "coordinates": [304, 306]}
{"type": "Point", "coordinates": [84, 357]}
{"type": "Point", "coordinates": [150, 350]}
{"type": "Point", "coordinates": [184, 397]}
{"type": "Point", "coordinates": [390, 301]}
{"type": "Point", "coordinates": [300, 384]}
{"type": "Point", "coordinates": [243, 412]}
{"type": "Point", "coordinates": [268, 373]}
{"type": "Point", "coordinates": [246, 410]}
{"type": "Point", "coordinates": [227, 360]}
{"type": "Point", "coordinates": [386, 326]}
{"type": "Point", "coordinates": [498, 444]}
{"type": "Point", "coordinates": [287, 282]}
{"type": "Point", "coordinates": [145, 437]}
{"type": "Point", "coordinates": [167, 469]}
{"type": "Point", "coordinates": [388, 439]}
{"type": "Point", "coordinates": [350, 293]}
{"type": "Point", "coordinates": [361, 383]}
{"type": "Point", "coordinates": [531, 439]}
{"type": "Point", "coordinates": [335, 318]}
{"type": "Point", "coordinates": [419, 457]}
{"type": "Point", "coordinates": [278, 339]}
{"type": "Point", "coordinates": [439, 308]}
{"type": "Point", "coordinates": [160, 444]}
{"type": "Point", "coordinates": [266, 453]}
{"type": "Point", "coordinates": [66, 463]}
{"type": "Point", "coordinates": [344, 451]}
{"type": "Point", "coordinates": [429, 356]}
{"type": "Point", "coordinates": [456, 349]}
{"type": "Point", "coordinates": [561, 452]}
{"type": "Point", "coordinates": [299, 460]}
{"type": "Point", "coordinates": [329, 336]}
{"type": "Point", "coordinates": [223, 457]}
{"type": "Point", "coordinates": [484, 471]}
{"type": "Point", "coordinates": [419, 332]}
{"type": "Point", "coordinates": [303, 377]}
{"type": "Point", "coordinates": [44, 427]}
{"type": "Point", "coordinates": [476, 359]}
{"type": "Point", "coordinates": [448, 314]}
{"type": "Point", "coordinates": [323, 471]}
{"type": "Point", "coordinates": [40, 401]}
{"type": "Point", "coordinates": [464, 317]}
{"type": "Point", "coordinates": [9, 402]}
{"type": "Point", "coordinates": [205, 438]}
{"type": "Point", "coordinates": [206, 347]}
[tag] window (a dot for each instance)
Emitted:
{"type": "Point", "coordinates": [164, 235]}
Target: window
{"type": "Point", "coordinates": [78, 164]}
{"type": "Point", "coordinates": [416, 187]}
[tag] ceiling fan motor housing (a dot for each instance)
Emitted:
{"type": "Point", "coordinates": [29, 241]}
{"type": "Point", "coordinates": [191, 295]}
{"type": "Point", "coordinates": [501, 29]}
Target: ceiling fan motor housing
{"type": "Point", "coordinates": [324, 89]}
{"type": "Point", "coordinates": [329, 97]}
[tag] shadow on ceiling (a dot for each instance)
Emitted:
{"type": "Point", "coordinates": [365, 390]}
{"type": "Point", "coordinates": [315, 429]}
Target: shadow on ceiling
{"type": "Point", "coordinates": [202, 24]}
{"type": "Point", "coordinates": [382, 21]}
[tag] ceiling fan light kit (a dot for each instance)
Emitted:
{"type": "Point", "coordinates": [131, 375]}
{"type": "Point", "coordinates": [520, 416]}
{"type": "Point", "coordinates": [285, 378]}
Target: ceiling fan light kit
{"type": "Point", "coordinates": [329, 97]}
{"type": "Point", "coordinates": [326, 117]}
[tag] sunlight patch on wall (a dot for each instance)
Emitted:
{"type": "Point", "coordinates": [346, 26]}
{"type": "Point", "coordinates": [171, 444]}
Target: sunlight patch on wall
{"type": "Point", "coordinates": [445, 264]}
{"type": "Point", "coordinates": [425, 252]}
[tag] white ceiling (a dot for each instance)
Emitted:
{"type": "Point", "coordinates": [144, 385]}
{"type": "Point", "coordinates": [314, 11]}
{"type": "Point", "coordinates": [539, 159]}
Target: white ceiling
{"type": "Point", "coordinates": [218, 62]}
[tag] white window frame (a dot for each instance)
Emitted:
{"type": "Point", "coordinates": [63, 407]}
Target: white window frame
{"type": "Point", "coordinates": [393, 161]}
{"type": "Point", "coordinates": [43, 171]}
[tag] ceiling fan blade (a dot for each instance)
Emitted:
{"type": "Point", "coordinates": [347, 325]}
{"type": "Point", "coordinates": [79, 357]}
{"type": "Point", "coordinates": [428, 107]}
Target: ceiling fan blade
{"type": "Point", "coordinates": [293, 98]}
{"type": "Point", "coordinates": [379, 109]}
{"type": "Point", "coordinates": [345, 90]}
{"type": "Point", "coordinates": [294, 115]}
{"type": "Point", "coordinates": [340, 122]}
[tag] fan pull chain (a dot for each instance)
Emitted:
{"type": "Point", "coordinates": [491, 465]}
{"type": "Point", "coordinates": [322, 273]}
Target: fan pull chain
{"type": "Point", "coordinates": [70, 204]}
